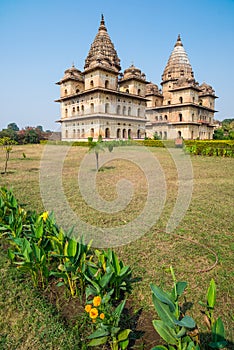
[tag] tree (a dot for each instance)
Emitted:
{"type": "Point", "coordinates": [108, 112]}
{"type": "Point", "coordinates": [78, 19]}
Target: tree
{"type": "Point", "coordinates": [13, 126]}
{"type": "Point", "coordinates": [6, 144]}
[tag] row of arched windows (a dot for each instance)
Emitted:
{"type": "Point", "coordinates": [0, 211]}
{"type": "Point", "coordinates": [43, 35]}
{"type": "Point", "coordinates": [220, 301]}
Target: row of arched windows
{"type": "Point", "coordinates": [119, 110]}
{"type": "Point", "coordinates": [125, 133]}
{"type": "Point", "coordinates": [161, 118]}
{"type": "Point", "coordinates": [161, 134]}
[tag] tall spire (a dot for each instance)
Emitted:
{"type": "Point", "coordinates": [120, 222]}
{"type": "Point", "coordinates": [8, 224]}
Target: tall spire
{"type": "Point", "coordinates": [102, 52]}
{"type": "Point", "coordinates": [178, 65]}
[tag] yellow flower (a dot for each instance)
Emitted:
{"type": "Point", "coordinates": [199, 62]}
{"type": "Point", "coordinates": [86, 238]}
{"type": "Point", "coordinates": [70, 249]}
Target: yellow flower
{"type": "Point", "coordinates": [93, 313]}
{"type": "Point", "coordinates": [102, 316]}
{"type": "Point", "coordinates": [45, 215]}
{"type": "Point", "coordinates": [88, 307]}
{"type": "Point", "coordinates": [97, 301]}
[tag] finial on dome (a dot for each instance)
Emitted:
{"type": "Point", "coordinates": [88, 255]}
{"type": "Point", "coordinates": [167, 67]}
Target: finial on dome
{"type": "Point", "coordinates": [102, 23]}
{"type": "Point", "coordinates": [178, 42]}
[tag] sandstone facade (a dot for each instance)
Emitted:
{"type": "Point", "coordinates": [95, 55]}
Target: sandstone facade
{"type": "Point", "coordinates": [103, 101]}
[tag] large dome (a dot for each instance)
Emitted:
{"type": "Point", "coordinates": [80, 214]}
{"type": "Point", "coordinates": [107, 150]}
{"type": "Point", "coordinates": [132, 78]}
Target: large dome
{"type": "Point", "coordinates": [102, 51]}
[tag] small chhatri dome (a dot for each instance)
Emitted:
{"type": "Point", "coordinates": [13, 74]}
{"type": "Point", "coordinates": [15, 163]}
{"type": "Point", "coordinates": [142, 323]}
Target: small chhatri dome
{"type": "Point", "coordinates": [102, 51]}
{"type": "Point", "coordinates": [152, 89]}
{"type": "Point", "coordinates": [178, 65]}
{"type": "Point", "coordinates": [72, 73]}
{"type": "Point", "coordinates": [132, 73]}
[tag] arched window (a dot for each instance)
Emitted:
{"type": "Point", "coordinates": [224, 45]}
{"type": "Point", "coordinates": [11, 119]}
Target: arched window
{"type": "Point", "coordinates": [118, 109]}
{"type": "Point", "coordinates": [160, 118]}
{"type": "Point", "coordinates": [179, 134]}
{"type": "Point", "coordinates": [124, 134]}
{"type": "Point", "coordinates": [66, 134]}
{"type": "Point", "coordinates": [181, 99]}
{"type": "Point", "coordinates": [107, 108]}
{"type": "Point", "coordinates": [77, 91]}
{"type": "Point", "coordinates": [82, 109]}
{"type": "Point", "coordinates": [180, 117]}
{"type": "Point", "coordinates": [66, 112]}
{"type": "Point", "coordinates": [78, 133]}
{"type": "Point", "coordinates": [91, 107]}
{"type": "Point", "coordinates": [138, 91]}
{"type": "Point", "coordinates": [165, 135]}
{"type": "Point", "coordinates": [78, 109]}
{"type": "Point", "coordinates": [92, 132]}
{"type": "Point", "coordinates": [138, 134]}
{"type": "Point", "coordinates": [156, 118]}
{"type": "Point", "coordinates": [192, 135]}
{"type": "Point", "coordinates": [127, 90]}
{"type": "Point", "coordinates": [138, 112]}
{"type": "Point", "coordinates": [74, 133]}
{"type": "Point", "coordinates": [160, 134]}
{"type": "Point", "coordinates": [73, 109]}
{"type": "Point", "coordinates": [165, 117]}
{"type": "Point", "coordinates": [129, 133]}
{"type": "Point", "coordinates": [91, 83]}
{"type": "Point", "coordinates": [107, 84]}
{"type": "Point", "coordinates": [82, 133]}
{"type": "Point", "coordinates": [107, 133]}
{"type": "Point", "coordinates": [129, 110]}
{"type": "Point", "coordinates": [124, 110]}
{"type": "Point", "coordinates": [193, 117]}
{"type": "Point", "coordinates": [65, 92]}
{"type": "Point", "coordinates": [118, 134]}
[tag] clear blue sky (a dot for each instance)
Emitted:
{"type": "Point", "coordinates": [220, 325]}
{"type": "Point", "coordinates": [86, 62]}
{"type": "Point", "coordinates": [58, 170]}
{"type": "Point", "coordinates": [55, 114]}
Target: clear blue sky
{"type": "Point", "coordinates": [40, 39]}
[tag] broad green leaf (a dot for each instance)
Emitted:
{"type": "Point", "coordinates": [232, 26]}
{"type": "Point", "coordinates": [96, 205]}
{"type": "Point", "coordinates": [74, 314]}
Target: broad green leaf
{"type": "Point", "coordinates": [192, 346]}
{"type": "Point", "coordinates": [181, 333]}
{"type": "Point", "coordinates": [165, 332]}
{"type": "Point", "coordinates": [11, 254]}
{"type": "Point", "coordinates": [218, 345]}
{"type": "Point", "coordinates": [124, 344]}
{"type": "Point", "coordinates": [162, 296]}
{"type": "Point", "coordinates": [164, 312]}
{"type": "Point", "coordinates": [211, 294]}
{"type": "Point", "coordinates": [105, 279]}
{"type": "Point", "coordinates": [186, 321]}
{"type": "Point", "coordinates": [96, 286]}
{"type": "Point", "coordinates": [125, 270]}
{"type": "Point", "coordinates": [100, 332]}
{"type": "Point", "coordinates": [115, 263]}
{"type": "Point", "coordinates": [218, 332]}
{"type": "Point", "coordinates": [119, 309]}
{"type": "Point", "coordinates": [123, 335]}
{"type": "Point", "coordinates": [71, 248]}
{"type": "Point", "coordinates": [98, 341]}
{"type": "Point", "coordinates": [39, 229]}
{"type": "Point", "coordinates": [180, 287]}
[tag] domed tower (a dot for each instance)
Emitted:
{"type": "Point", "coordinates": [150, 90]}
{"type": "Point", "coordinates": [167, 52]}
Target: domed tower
{"type": "Point", "coordinates": [154, 95]}
{"type": "Point", "coordinates": [177, 75]}
{"type": "Point", "coordinates": [133, 81]}
{"type": "Point", "coordinates": [72, 82]}
{"type": "Point", "coordinates": [178, 65]}
{"type": "Point", "coordinates": [102, 64]}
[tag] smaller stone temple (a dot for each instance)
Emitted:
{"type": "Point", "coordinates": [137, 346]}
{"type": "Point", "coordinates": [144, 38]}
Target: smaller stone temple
{"type": "Point", "coordinates": [100, 100]}
{"type": "Point", "coordinates": [183, 108]}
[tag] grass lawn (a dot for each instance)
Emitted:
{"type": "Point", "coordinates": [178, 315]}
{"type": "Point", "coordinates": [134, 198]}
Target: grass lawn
{"type": "Point", "coordinates": [205, 232]}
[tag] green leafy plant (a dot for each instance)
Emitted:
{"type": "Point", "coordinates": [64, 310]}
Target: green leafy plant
{"type": "Point", "coordinates": [107, 323]}
{"type": "Point", "coordinates": [72, 266]}
{"type": "Point", "coordinates": [107, 274]}
{"type": "Point", "coordinates": [173, 325]}
{"type": "Point", "coordinates": [7, 143]}
{"type": "Point", "coordinates": [215, 326]}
